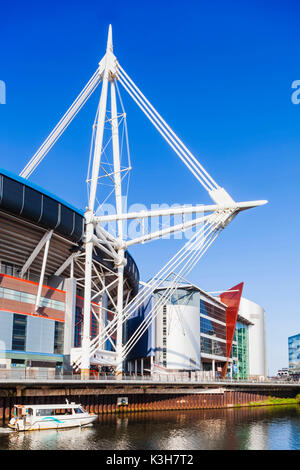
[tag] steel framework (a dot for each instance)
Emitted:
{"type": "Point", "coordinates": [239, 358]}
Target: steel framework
{"type": "Point", "coordinates": [122, 304]}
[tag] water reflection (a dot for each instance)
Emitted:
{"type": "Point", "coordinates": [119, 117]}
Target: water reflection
{"type": "Point", "coordinates": [245, 428]}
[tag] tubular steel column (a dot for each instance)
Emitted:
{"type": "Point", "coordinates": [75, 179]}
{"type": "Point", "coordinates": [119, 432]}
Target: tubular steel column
{"type": "Point", "coordinates": [121, 252]}
{"type": "Point", "coordinates": [89, 217]}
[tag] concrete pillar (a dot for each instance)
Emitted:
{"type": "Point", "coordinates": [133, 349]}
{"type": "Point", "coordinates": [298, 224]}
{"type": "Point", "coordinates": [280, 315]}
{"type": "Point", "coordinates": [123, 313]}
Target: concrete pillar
{"type": "Point", "coordinates": [135, 366]}
{"type": "Point", "coordinates": [214, 368]}
{"type": "Point", "coordinates": [142, 366]}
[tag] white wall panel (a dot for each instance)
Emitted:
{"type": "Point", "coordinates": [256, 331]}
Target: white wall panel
{"type": "Point", "coordinates": [40, 335]}
{"type": "Point", "coordinates": [257, 337]}
{"type": "Point", "coordinates": [183, 339]}
{"type": "Point", "coordinates": [6, 326]}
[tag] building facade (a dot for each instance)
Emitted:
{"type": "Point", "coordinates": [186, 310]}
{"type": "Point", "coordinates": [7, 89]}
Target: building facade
{"type": "Point", "coordinates": [294, 354]}
{"type": "Point", "coordinates": [197, 333]}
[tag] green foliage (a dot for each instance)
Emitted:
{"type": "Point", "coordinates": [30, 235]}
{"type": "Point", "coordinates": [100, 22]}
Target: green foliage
{"type": "Point", "coordinates": [276, 401]}
{"type": "Point", "coordinates": [297, 398]}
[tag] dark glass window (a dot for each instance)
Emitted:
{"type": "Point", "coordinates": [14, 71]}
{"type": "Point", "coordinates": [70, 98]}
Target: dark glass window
{"type": "Point", "coordinates": [58, 338]}
{"type": "Point", "coordinates": [208, 346]}
{"type": "Point", "coordinates": [79, 327]}
{"type": "Point", "coordinates": [212, 328]}
{"type": "Point", "coordinates": [19, 332]}
{"type": "Point", "coordinates": [18, 362]}
{"type": "Point", "coordinates": [212, 311]}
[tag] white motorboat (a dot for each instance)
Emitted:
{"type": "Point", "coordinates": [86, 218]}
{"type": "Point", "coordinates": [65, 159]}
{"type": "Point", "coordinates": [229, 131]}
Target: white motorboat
{"type": "Point", "coordinates": [55, 416]}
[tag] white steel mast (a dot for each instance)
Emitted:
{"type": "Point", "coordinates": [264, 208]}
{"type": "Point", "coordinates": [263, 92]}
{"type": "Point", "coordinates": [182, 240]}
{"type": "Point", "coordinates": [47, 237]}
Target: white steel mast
{"type": "Point", "coordinates": [121, 246]}
{"type": "Point", "coordinates": [89, 214]}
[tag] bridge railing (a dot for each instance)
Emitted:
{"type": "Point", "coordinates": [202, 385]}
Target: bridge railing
{"type": "Point", "coordinates": [22, 374]}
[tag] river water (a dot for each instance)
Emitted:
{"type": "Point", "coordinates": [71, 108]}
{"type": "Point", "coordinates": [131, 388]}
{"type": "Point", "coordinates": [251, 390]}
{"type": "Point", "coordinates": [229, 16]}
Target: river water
{"type": "Point", "coordinates": [261, 428]}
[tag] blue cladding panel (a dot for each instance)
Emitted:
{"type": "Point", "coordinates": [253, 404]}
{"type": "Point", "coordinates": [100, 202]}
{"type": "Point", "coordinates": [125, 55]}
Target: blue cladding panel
{"type": "Point", "coordinates": [32, 207]}
{"type": "Point", "coordinates": [50, 213]}
{"type": "Point", "coordinates": [12, 195]}
{"type": "Point", "coordinates": [66, 225]}
{"type": "Point", "coordinates": [145, 346]}
{"type": "Point", "coordinates": [18, 197]}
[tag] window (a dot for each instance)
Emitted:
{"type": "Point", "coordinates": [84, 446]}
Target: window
{"type": "Point", "coordinates": [206, 345]}
{"type": "Point", "coordinates": [212, 311]}
{"type": "Point", "coordinates": [30, 298]}
{"type": "Point", "coordinates": [7, 268]}
{"type": "Point", "coordinates": [58, 338]}
{"type": "Point", "coordinates": [213, 329]}
{"type": "Point", "coordinates": [19, 332]}
{"type": "Point", "coordinates": [44, 412]}
{"type": "Point", "coordinates": [79, 325]}
{"type": "Point", "coordinates": [18, 362]}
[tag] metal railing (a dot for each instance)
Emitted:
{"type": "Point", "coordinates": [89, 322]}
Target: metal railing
{"type": "Point", "coordinates": [39, 375]}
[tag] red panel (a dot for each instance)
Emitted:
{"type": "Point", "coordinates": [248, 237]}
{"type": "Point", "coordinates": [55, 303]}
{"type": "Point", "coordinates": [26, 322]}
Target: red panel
{"type": "Point", "coordinates": [232, 300]}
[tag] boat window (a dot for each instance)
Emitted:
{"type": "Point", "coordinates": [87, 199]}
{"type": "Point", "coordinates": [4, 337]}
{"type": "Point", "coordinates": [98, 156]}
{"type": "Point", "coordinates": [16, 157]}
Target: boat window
{"type": "Point", "coordinates": [30, 411]}
{"type": "Point", "coordinates": [44, 412]}
{"type": "Point", "coordinates": [64, 411]}
{"type": "Point", "coordinates": [78, 410]}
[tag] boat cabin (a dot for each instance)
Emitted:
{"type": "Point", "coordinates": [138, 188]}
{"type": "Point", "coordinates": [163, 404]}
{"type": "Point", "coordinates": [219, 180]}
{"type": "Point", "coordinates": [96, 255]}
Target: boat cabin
{"type": "Point", "coordinates": [21, 411]}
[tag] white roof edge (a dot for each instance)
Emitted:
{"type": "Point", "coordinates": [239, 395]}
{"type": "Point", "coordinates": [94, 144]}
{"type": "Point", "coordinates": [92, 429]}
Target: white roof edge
{"type": "Point", "coordinates": [52, 405]}
{"type": "Point", "coordinates": [190, 284]}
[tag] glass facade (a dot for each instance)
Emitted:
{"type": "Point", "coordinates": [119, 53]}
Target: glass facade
{"type": "Point", "coordinates": [209, 346]}
{"type": "Point", "coordinates": [216, 329]}
{"type": "Point", "coordinates": [212, 311]}
{"type": "Point", "coordinates": [294, 352]}
{"type": "Point", "coordinates": [180, 297]}
{"type": "Point", "coordinates": [241, 351]}
{"type": "Point", "coordinates": [212, 328]}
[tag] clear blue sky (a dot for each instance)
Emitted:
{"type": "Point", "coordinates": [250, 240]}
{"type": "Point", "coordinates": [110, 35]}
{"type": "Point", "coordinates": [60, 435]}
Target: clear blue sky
{"type": "Point", "coordinates": [220, 73]}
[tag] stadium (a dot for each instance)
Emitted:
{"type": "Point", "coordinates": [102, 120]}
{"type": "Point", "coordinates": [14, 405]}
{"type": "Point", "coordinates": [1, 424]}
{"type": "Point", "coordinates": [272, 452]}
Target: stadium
{"type": "Point", "coordinates": [41, 295]}
{"type": "Point", "coordinates": [68, 286]}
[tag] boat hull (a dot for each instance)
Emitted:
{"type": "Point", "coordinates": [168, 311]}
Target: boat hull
{"type": "Point", "coordinates": [54, 423]}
